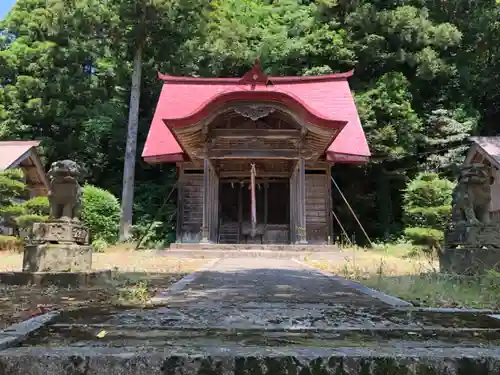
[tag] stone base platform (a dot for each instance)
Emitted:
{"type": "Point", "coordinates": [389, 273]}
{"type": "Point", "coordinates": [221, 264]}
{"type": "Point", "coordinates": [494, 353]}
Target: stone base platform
{"type": "Point", "coordinates": [263, 254]}
{"type": "Point", "coordinates": [62, 279]}
{"type": "Point", "coordinates": [253, 247]}
{"type": "Point", "coordinates": [473, 235]}
{"type": "Point", "coordinates": [49, 257]}
{"type": "Point", "coordinates": [469, 261]}
{"type": "Point", "coordinates": [196, 250]}
{"type": "Point", "coordinates": [341, 360]}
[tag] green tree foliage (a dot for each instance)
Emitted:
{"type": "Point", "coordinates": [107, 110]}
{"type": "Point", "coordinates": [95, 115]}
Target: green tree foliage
{"type": "Point", "coordinates": [427, 206]}
{"type": "Point", "coordinates": [100, 213]}
{"type": "Point", "coordinates": [12, 187]}
{"type": "Point", "coordinates": [447, 130]}
{"type": "Point", "coordinates": [37, 206]}
{"type": "Point", "coordinates": [426, 76]}
{"type": "Point", "coordinates": [156, 228]}
{"type": "Point", "coordinates": [285, 34]}
{"type": "Point", "coordinates": [33, 210]}
{"type": "Point", "coordinates": [393, 126]}
{"type": "Point", "coordinates": [18, 213]}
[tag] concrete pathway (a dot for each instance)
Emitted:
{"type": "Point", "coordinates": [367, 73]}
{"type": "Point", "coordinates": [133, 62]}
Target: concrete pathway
{"type": "Point", "coordinates": [254, 280]}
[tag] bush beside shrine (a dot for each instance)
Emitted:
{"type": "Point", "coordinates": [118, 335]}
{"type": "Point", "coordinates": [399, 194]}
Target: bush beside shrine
{"type": "Point", "coordinates": [19, 215]}
{"type": "Point", "coordinates": [10, 243]}
{"type": "Point", "coordinates": [427, 207]}
{"type": "Point", "coordinates": [101, 215]}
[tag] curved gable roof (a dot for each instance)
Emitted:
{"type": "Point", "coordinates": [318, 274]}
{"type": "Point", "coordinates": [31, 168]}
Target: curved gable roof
{"type": "Point", "coordinates": [326, 98]}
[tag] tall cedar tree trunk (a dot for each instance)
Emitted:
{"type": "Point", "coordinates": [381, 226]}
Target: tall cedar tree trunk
{"type": "Point", "coordinates": [130, 152]}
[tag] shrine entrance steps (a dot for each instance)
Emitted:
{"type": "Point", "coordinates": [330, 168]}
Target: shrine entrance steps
{"type": "Point", "coordinates": [248, 317]}
{"type": "Point", "coordinates": [273, 251]}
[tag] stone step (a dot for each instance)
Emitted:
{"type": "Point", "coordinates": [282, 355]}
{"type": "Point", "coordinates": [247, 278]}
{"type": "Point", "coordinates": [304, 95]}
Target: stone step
{"type": "Point", "coordinates": [384, 358]}
{"type": "Point", "coordinates": [254, 247]}
{"type": "Point", "coordinates": [264, 254]}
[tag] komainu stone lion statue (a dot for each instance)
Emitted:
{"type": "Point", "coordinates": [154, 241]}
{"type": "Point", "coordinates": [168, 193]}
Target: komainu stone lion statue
{"type": "Point", "coordinates": [65, 194]}
{"type": "Point", "coordinates": [472, 195]}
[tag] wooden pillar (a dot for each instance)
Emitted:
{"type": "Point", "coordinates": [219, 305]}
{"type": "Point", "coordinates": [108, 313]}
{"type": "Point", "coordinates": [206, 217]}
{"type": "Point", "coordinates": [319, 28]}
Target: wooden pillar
{"type": "Point", "coordinates": [205, 228]}
{"type": "Point", "coordinates": [213, 205]}
{"type": "Point", "coordinates": [266, 204]}
{"type": "Point", "coordinates": [215, 208]}
{"type": "Point", "coordinates": [301, 202]}
{"type": "Point", "coordinates": [240, 210]}
{"type": "Point", "coordinates": [211, 211]}
{"type": "Point", "coordinates": [180, 204]}
{"type": "Point", "coordinates": [329, 205]}
{"type": "Point", "coordinates": [210, 201]}
{"type": "Point", "coordinates": [293, 206]}
{"type": "Point", "coordinates": [210, 204]}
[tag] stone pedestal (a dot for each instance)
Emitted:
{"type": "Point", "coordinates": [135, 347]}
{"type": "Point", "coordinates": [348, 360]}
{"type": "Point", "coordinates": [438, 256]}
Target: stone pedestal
{"type": "Point", "coordinates": [58, 231]}
{"type": "Point", "coordinates": [57, 258]}
{"type": "Point", "coordinates": [471, 249]}
{"type": "Point", "coordinates": [473, 235]}
{"type": "Point", "coordinates": [57, 252]}
{"type": "Point", "coordinates": [58, 246]}
{"type": "Point", "coordinates": [469, 261]}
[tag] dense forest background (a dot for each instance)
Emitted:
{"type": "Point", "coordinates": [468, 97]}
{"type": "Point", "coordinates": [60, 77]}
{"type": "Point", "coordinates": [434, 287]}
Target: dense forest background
{"type": "Point", "coordinates": [427, 74]}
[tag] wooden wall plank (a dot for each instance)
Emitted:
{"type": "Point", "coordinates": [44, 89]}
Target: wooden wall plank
{"type": "Point", "coordinates": [192, 207]}
{"type": "Point", "coordinates": [317, 207]}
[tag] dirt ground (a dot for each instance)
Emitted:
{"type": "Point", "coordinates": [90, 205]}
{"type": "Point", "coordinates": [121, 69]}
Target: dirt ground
{"type": "Point", "coordinates": [137, 275]}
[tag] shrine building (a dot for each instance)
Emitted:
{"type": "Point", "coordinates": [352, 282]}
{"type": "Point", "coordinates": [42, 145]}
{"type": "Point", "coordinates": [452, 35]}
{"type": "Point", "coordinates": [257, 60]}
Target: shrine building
{"type": "Point", "coordinates": [254, 154]}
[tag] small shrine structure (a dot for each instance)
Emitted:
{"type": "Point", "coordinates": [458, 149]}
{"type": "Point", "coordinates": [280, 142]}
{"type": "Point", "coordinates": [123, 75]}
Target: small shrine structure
{"type": "Point", "coordinates": [486, 150]}
{"type": "Point", "coordinates": [254, 154]}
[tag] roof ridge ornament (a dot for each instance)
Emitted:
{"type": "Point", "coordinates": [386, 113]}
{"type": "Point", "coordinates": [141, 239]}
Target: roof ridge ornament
{"type": "Point", "coordinates": [255, 76]}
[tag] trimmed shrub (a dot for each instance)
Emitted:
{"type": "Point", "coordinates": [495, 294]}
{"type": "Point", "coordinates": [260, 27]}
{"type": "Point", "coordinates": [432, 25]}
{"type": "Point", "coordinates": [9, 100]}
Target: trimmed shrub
{"type": "Point", "coordinates": [10, 243]}
{"type": "Point", "coordinates": [37, 206]}
{"type": "Point", "coordinates": [427, 207]}
{"type": "Point", "coordinates": [26, 221]}
{"type": "Point", "coordinates": [101, 214]}
{"type": "Point", "coordinates": [434, 217]}
{"type": "Point", "coordinates": [99, 245]}
{"type": "Point", "coordinates": [11, 186]}
{"type": "Point", "coordinates": [428, 237]}
{"type": "Point", "coordinates": [12, 211]}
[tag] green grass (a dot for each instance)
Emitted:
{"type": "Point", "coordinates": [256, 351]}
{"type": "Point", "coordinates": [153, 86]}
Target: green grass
{"type": "Point", "coordinates": [409, 273]}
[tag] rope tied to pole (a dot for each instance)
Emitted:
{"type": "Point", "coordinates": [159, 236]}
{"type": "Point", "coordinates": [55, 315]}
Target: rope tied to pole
{"type": "Point", "coordinates": [352, 212]}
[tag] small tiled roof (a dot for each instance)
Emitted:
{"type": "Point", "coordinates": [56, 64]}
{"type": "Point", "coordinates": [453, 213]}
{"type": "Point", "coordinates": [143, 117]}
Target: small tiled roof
{"type": "Point", "coordinates": [14, 152]}
{"type": "Point", "coordinates": [490, 145]}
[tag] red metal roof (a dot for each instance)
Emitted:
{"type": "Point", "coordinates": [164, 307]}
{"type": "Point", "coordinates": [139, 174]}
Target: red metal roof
{"type": "Point", "coordinates": [323, 100]}
{"type": "Point", "coordinates": [13, 152]}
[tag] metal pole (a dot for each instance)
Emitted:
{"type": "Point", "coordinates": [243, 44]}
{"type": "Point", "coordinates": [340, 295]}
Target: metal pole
{"type": "Point", "coordinates": [342, 227]}
{"type": "Point", "coordinates": [352, 212]}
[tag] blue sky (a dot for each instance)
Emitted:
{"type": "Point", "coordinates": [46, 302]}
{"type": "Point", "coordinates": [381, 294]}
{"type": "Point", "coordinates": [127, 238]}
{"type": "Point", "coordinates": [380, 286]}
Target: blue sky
{"type": "Point", "coordinates": [5, 5]}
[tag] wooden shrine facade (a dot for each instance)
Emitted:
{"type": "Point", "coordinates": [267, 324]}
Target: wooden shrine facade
{"type": "Point", "coordinates": [254, 154]}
